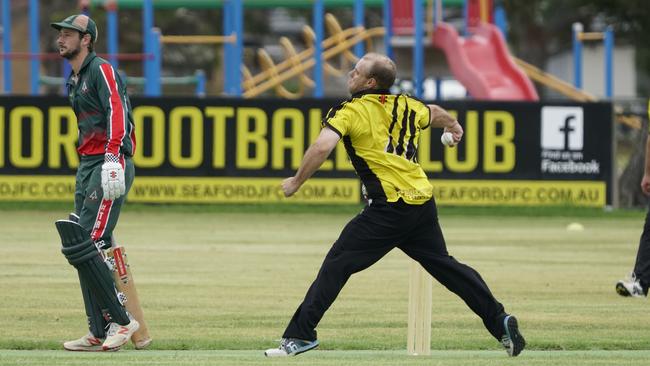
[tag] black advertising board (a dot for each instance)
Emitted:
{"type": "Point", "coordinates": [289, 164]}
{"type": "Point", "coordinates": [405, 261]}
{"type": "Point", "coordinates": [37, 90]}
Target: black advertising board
{"type": "Point", "coordinates": [236, 150]}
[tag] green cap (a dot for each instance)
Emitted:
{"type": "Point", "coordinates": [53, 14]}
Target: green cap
{"type": "Point", "coordinates": [78, 22]}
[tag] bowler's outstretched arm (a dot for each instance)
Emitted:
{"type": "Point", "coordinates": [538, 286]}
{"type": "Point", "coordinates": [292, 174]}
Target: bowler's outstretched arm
{"type": "Point", "coordinates": [313, 159]}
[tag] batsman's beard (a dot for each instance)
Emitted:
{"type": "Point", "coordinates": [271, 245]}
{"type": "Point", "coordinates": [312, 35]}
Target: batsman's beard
{"type": "Point", "coordinates": [70, 54]}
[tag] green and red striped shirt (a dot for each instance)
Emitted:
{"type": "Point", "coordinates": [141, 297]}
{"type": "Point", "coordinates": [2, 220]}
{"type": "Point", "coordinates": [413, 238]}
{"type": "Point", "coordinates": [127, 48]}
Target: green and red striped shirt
{"type": "Point", "coordinates": [99, 100]}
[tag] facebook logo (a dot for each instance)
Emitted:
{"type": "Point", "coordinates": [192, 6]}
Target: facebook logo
{"type": "Point", "coordinates": [562, 128]}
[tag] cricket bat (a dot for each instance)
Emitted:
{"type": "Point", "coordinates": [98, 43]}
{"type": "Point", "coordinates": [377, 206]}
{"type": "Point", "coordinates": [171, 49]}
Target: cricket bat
{"type": "Point", "coordinates": [125, 284]}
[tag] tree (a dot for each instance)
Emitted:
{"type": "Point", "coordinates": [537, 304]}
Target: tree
{"type": "Point", "coordinates": [539, 28]}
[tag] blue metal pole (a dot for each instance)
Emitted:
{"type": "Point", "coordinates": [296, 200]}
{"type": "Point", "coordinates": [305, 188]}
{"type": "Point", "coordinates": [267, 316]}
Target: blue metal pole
{"type": "Point", "coordinates": [435, 14]}
{"type": "Point", "coordinates": [318, 14]}
{"type": "Point", "coordinates": [577, 55]}
{"type": "Point", "coordinates": [609, 62]}
{"type": "Point", "coordinates": [6, 46]}
{"type": "Point", "coordinates": [34, 46]}
{"type": "Point", "coordinates": [388, 26]}
{"type": "Point", "coordinates": [200, 83]}
{"type": "Point", "coordinates": [66, 69]}
{"type": "Point", "coordinates": [228, 47]}
{"type": "Point", "coordinates": [437, 17]}
{"type": "Point", "coordinates": [500, 20]}
{"type": "Point", "coordinates": [149, 63]}
{"type": "Point", "coordinates": [112, 36]}
{"type": "Point", "coordinates": [156, 63]}
{"type": "Point", "coordinates": [418, 49]}
{"type": "Point", "coordinates": [238, 49]}
{"type": "Point", "coordinates": [358, 22]}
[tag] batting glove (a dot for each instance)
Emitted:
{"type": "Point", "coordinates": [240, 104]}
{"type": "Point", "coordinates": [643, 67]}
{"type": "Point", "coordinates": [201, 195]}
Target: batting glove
{"type": "Point", "coordinates": [112, 178]}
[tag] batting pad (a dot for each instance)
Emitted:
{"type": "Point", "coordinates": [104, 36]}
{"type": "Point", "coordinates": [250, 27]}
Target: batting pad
{"type": "Point", "coordinates": [96, 321]}
{"type": "Point", "coordinates": [80, 251]}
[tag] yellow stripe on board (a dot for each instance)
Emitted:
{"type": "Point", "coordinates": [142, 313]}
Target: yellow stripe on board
{"type": "Point", "coordinates": [187, 190]}
{"type": "Point", "coordinates": [335, 190]}
{"type": "Point", "coordinates": [519, 193]}
{"type": "Point", "coordinates": [36, 188]}
{"type": "Point", "coordinates": [241, 190]}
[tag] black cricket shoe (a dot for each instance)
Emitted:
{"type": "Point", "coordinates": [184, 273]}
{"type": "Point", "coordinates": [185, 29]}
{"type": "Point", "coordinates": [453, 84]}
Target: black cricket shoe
{"type": "Point", "coordinates": [512, 340]}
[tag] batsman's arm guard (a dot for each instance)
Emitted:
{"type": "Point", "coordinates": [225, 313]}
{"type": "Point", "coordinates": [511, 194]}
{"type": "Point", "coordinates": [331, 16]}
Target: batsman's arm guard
{"type": "Point", "coordinates": [116, 257]}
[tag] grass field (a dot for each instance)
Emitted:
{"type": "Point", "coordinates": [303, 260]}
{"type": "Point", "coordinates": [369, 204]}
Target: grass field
{"type": "Point", "coordinates": [219, 285]}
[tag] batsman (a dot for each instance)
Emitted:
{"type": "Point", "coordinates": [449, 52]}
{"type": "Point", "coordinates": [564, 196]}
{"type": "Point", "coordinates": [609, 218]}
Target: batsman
{"type": "Point", "coordinates": [106, 144]}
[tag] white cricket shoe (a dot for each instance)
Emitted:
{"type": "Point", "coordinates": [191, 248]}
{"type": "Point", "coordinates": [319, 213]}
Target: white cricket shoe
{"type": "Point", "coordinates": [630, 287]}
{"type": "Point", "coordinates": [87, 343]}
{"type": "Point", "coordinates": [117, 335]}
{"type": "Point", "coordinates": [291, 347]}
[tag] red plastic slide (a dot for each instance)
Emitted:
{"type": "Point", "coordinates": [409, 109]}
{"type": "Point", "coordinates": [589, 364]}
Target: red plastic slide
{"type": "Point", "coordinates": [482, 63]}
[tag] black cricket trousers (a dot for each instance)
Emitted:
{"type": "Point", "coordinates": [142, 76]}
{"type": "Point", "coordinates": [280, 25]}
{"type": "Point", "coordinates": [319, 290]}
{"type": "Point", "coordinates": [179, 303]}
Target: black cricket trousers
{"type": "Point", "coordinates": [373, 233]}
{"type": "Point", "coordinates": [642, 264]}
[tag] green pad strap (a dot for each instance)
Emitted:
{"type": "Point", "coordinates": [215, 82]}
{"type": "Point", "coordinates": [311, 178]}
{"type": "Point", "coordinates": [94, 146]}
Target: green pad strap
{"type": "Point", "coordinates": [79, 253]}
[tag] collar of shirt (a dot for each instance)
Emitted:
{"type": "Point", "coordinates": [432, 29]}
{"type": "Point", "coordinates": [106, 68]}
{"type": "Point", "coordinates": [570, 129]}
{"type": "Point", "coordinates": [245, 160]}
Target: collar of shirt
{"type": "Point", "coordinates": [87, 60]}
{"type": "Point", "coordinates": [72, 80]}
{"type": "Point", "coordinates": [370, 91]}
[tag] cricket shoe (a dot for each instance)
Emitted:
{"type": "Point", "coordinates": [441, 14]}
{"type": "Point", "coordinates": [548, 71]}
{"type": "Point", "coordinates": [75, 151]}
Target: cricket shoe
{"type": "Point", "coordinates": [630, 287]}
{"type": "Point", "coordinates": [117, 335]}
{"type": "Point", "coordinates": [87, 343]}
{"type": "Point", "coordinates": [291, 347]}
{"type": "Point", "coordinates": [512, 340]}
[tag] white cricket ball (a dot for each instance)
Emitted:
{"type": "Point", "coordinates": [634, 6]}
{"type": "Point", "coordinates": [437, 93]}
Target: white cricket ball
{"type": "Point", "coordinates": [447, 139]}
{"type": "Point", "coordinates": [575, 226]}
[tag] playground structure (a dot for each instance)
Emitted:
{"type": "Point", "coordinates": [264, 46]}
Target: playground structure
{"type": "Point", "coordinates": [151, 81]}
{"type": "Point", "coordinates": [338, 44]}
{"type": "Point", "coordinates": [579, 37]}
{"type": "Point", "coordinates": [482, 62]}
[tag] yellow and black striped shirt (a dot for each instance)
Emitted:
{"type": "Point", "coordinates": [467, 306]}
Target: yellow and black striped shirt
{"type": "Point", "coordinates": [381, 133]}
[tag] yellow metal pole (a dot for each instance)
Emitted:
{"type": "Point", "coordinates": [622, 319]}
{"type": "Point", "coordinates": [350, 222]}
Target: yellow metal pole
{"type": "Point", "coordinates": [591, 36]}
